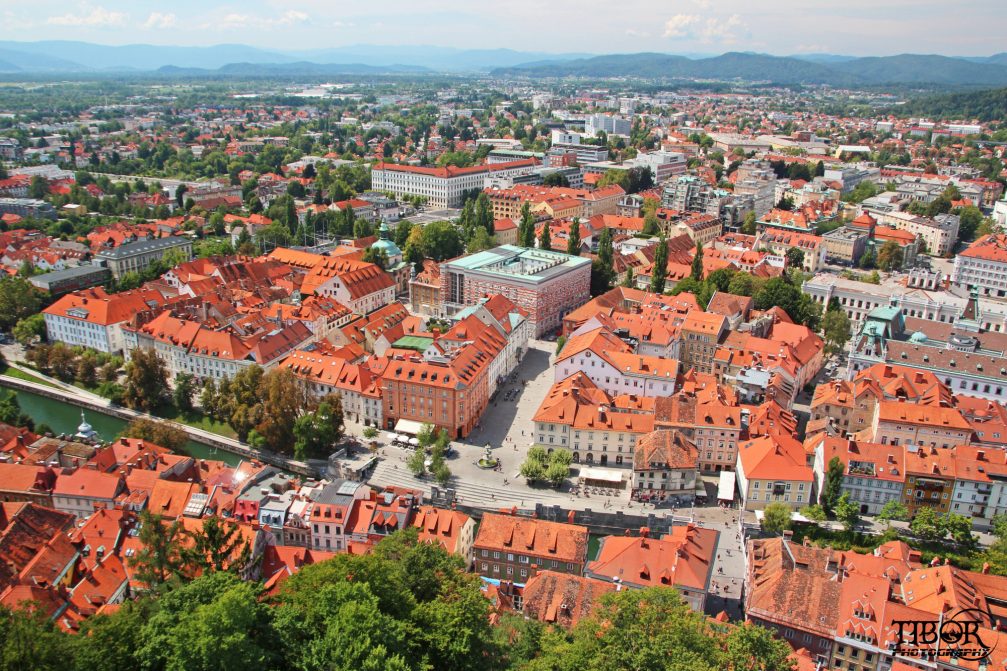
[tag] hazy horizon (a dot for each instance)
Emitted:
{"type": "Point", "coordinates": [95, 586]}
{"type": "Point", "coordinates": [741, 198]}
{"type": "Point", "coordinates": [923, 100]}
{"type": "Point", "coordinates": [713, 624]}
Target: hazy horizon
{"type": "Point", "coordinates": [691, 27]}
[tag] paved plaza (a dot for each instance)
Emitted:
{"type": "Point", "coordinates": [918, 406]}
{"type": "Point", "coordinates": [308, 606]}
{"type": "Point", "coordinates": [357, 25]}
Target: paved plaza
{"type": "Point", "coordinates": [507, 429]}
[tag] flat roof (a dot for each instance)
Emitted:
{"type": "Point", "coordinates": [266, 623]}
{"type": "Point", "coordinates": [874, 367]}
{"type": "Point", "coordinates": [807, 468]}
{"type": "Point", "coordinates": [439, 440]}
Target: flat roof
{"type": "Point", "coordinates": [141, 246]}
{"type": "Point", "coordinates": [534, 265]}
{"type": "Point", "coordinates": [67, 273]}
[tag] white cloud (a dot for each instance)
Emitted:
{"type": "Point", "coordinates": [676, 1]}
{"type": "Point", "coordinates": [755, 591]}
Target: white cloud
{"type": "Point", "coordinates": [702, 4]}
{"type": "Point", "coordinates": [157, 20]}
{"type": "Point", "coordinates": [288, 18]}
{"type": "Point", "coordinates": [94, 17]}
{"type": "Point", "coordinates": [679, 25]}
{"type": "Point", "coordinates": [343, 24]}
{"type": "Point", "coordinates": [721, 30]}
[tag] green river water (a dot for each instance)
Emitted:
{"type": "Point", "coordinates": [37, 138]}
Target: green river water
{"type": "Point", "coordinates": [65, 418]}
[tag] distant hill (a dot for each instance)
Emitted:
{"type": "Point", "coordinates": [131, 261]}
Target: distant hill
{"type": "Point", "coordinates": [71, 56]}
{"type": "Point", "coordinates": [21, 61]}
{"type": "Point", "coordinates": [923, 69]}
{"type": "Point", "coordinates": [302, 68]}
{"type": "Point", "coordinates": [988, 105]}
{"type": "Point", "coordinates": [87, 56]}
{"type": "Point", "coordinates": [902, 69]}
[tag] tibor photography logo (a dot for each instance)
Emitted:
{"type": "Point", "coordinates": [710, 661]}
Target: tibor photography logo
{"type": "Point", "coordinates": [957, 636]}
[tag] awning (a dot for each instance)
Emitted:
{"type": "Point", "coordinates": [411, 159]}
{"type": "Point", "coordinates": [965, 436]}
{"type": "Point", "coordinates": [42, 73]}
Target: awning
{"type": "Point", "coordinates": [408, 426]}
{"type": "Point", "coordinates": [601, 474]}
{"type": "Point", "coordinates": [725, 488]}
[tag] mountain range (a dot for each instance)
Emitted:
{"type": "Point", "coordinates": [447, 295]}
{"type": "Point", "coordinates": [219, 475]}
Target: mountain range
{"type": "Point", "coordinates": [821, 69]}
{"type": "Point", "coordinates": [59, 56]}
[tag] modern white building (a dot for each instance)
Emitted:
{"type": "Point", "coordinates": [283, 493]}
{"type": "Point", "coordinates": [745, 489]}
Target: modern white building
{"type": "Point", "coordinates": [94, 318]}
{"type": "Point", "coordinates": [442, 187]}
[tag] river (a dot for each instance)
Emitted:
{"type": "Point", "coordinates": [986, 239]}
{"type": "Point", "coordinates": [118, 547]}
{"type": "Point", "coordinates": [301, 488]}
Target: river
{"type": "Point", "coordinates": [65, 418]}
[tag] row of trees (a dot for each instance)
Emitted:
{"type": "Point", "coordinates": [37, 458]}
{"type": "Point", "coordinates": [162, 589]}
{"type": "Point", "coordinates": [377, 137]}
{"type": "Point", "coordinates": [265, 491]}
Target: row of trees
{"type": "Point", "coordinates": [407, 606]}
{"type": "Point", "coordinates": [273, 410]}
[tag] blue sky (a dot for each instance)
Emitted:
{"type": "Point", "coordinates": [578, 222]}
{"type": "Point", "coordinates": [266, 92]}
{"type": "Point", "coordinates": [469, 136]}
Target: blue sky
{"type": "Point", "coordinates": [858, 27]}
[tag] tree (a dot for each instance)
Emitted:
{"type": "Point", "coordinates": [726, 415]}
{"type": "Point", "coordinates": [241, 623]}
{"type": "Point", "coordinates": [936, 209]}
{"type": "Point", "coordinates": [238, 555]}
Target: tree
{"type": "Point", "coordinates": [970, 219]}
{"type": "Point", "coordinates": [654, 628]}
{"type": "Point", "coordinates": [892, 510]}
{"type": "Point", "coordinates": [19, 299]}
{"type": "Point", "coordinates": [926, 525]}
{"type": "Point", "coordinates": [847, 512]}
{"type": "Point", "coordinates": [30, 330]}
{"type": "Point", "coordinates": [814, 512]}
{"type": "Point", "coordinates": [753, 648]}
{"type": "Point", "coordinates": [627, 280]}
{"type": "Point", "coordinates": [545, 237]}
{"type": "Point", "coordinates": [87, 368]}
{"type": "Point", "coordinates": [180, 195]}
{"type": "Point", "coordinates": [417, 463]}
{"type": "Point", "coordinates": [959, 527]}
{"type": "Point", "coordinates": [697, 263]}
{"type": "Point", "coordinates": [795, 257]}
{"type": "Point", "coordinates": [146, 386]}
{"type": "Point", "coordinates": [556, 473]}
{"type": "Point", "coordinates": [526, 227]}
{"type": "Point", "coordinates": [61, 362]}
{"type": "Point", "coordinates": [10, 410]}
{"type": "Point", "coordinates": [748, 227]}
{"type": "Point", "coordinates": [29, 639]}
{"type": "Point", "coordinates": [651, 225]}
{"type": "Point", "coordinates": [161, 556]}
{"type": "Point", "coordinates": [317, 433]}
{"type": "Point", "coordinates": [742, 284]}
{"type": "Point", "coordinates": [158, 433]}
{"type": "Point", "coordinates": [659, 270]}
{"type": "Point", "coordinates": [776, 518]}
{"type": "Point", "coordinates": [890, 256]}
{"type": "Point", "coordinates": [573, 242]}
{"type": "Point", "coordinates": [484, 213]}
{"type": "Point", "coordinates": [606, 252]}
{"type": "Point", "coordinates": [185, 389]}
{"type": "Point", "coordinates": [479, 240]}
{"type": "Point", "coordinates": [533, 470]}
{"type": "Point", "coordinates": [38, 188]}
{"type": "Point", "coordinates": [282, 398]}
{"type": "Point", "coordinates": [218, 546]}
{"type": "Point", "coordinates": [440, 240]}
{"type": "Point", "coordinates": [832, 488]}
{"type": "Point", "coordinates": [836, 327]}
{"type": "Point", "coordinates": [215, 622]}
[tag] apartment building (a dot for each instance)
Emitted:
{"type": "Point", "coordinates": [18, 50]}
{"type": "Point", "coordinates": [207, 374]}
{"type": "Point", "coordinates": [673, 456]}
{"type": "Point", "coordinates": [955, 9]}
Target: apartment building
{"type": "Point", "coordinates": [94, 318]}
{"type": "Point", "coordinates": [612, 365]}
{"type": "Point", "coordinates": [665, 465]}
{"type": "Point", "coordinates": [700, 334]}
{"type": "Point", "coordinates": [188, 346]}
{"type": "Point", "coordinates": [596, 427]}
{"type": "Point", "coordinates": [508, 547]}
{"type": "Point", "coordinates": [773, 469]}
{"type": "Point", "coordinates": [983, 265]}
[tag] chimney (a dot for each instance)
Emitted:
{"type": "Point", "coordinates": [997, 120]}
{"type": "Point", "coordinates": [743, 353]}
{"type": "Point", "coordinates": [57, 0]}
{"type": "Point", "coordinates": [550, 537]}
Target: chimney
{"type": "Point", "coordinates": [986, 568]}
